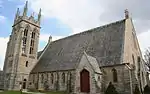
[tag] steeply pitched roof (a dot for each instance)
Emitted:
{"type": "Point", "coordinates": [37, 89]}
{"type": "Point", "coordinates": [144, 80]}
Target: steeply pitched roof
{"type": "Point", "coordinates": [93, 62]}
{"type": "Point", "coordinates": [1, 72]}
{"type": "Point", "coordinates": [105, 43]}
{"type": "Point", "coordinates": [39, 54]}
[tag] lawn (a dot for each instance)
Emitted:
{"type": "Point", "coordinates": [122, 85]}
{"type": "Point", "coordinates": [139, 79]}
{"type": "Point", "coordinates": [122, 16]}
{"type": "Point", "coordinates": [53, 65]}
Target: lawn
{"type": "Point", "coordinates": [11, 92]}
{"type": "Point", "coordinates": [17, 92]}
{"type": "Point", "coordinates": [55, 92]}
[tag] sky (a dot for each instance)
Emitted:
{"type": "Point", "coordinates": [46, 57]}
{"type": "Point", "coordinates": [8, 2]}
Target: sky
{"type": "Point", "coordinates": [61, 18]}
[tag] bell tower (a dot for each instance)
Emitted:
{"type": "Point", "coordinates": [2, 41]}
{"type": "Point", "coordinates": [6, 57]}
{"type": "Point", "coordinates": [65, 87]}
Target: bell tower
{"type": "Point", "coordinates": [22, 47]}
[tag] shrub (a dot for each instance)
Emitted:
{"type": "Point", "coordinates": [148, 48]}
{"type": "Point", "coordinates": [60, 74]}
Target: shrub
{"type": "Point", "coordinates": [147, 90]}
{"type": "Point", "coordinates": [111, 89]}
{"type": "Point", "coordinates": [136, 91]}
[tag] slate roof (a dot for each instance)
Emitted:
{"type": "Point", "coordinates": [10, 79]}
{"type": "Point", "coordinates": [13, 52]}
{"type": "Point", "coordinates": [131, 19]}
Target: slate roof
{"type": "Point", "coordinates": [105, 43]}
{"type": "Point", "coordinates": [93, 62]}
{"type": "Point", "coordinates": [39, 54]}
{"type": "Point", "coordinates": [1, 73]}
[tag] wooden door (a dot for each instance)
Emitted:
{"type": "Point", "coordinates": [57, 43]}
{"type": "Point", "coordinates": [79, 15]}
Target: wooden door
{"type": "Point", "coordinates": [84, 81]}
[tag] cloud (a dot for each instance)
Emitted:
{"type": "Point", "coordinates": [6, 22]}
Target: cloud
{"type": "Point", "coordinates": [77, 14]}
{"type": "Point", "coordinates": [4, 40]}
{"type": "Point", "coordinates": [144, 40]}
{"type": "Point", "coordinates": [44, 40]}
{"type": "Point", "coordinates": [45, 37]}
{"type": "Point", "coordinates": [138, 9]}
{"type": "Point", "coordinates": [81, 15]}
{"type": "Point", "coordinates": [84, 14]}
{"type": "Point", "coordinates": [2, 19]}
{"type": "Point", "coordinates": [1, 3]}
{"type": "Point", "coordinates": [3, 47]}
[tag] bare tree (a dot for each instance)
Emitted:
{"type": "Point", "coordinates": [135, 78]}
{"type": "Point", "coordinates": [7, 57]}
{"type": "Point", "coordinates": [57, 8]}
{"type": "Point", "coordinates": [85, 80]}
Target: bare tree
{"type": "Point", "coordinates": [147, 58]}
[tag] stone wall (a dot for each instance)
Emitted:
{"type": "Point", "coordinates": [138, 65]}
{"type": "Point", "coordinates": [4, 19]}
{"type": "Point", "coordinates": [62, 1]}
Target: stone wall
{"type": "Point", "coordinates": [95, 78]}
{"type": "Point", "coordinates": [122, 84]}
{"type": "Point", "coordinates": [19, 62]}
{"type": "Point", "coordinates": [1, 80]}
{"type": "Point", "coordinates": [59, 81]}
{"type": "Point", "coordinates": [132, 53]}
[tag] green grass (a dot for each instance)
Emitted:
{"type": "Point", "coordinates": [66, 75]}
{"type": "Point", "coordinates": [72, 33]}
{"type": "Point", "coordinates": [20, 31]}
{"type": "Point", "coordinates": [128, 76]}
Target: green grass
{"type": "Point", "coordinates": [55, 92]}
{"type": "Point", "coordinates": [11, 92]}
{"type": "Point", "coordinates": [18, 92]}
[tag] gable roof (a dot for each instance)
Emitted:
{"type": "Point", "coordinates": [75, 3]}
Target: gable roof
{"type": "Point", "coordinates": [104, 43]}
{"type": "Point", "coordinates": [93, 62]}
{"type": "Point", "coordinates": [39, 54]}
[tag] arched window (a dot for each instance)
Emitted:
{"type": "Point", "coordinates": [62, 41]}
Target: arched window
{"type": "Point", "coordinates": [26, 63]}
{"type": "Point", "coordinates": [42, 78]}
{"type": "Point", "coordinates": [114, 72]}
{"type": "Point", "coordinates": [99, 78]}
{"type": "Point", "coordinates": [32, 43]}
{"type": "Point", "coordinates": [138, 60]}
{"type": "Point", "coordinates": [26, 32]}
{"type": "Point", "coordinates": [24, 40]}
{"type": "Point", "coordinates": [31, 50]}
{"type": "Point", "coordinates": [33, 35]}
{"type": "Point", "coordinates": [52, 78]}
{"type": "Point", "coordinates": [63, 77]}
{"type": "Point", "coordinates": [46, 76]}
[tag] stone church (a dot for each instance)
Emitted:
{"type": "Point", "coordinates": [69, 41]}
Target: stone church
{"type": "Point", "coordinates": [84, 63]}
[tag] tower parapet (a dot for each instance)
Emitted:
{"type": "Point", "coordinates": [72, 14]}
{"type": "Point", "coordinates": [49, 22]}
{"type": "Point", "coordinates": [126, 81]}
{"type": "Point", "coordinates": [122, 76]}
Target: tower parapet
{"type": "Point", "coordinates": [26, 18]}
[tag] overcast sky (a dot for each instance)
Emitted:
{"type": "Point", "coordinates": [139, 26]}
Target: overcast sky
{"type": "Point", "coordinates": [61, 18]}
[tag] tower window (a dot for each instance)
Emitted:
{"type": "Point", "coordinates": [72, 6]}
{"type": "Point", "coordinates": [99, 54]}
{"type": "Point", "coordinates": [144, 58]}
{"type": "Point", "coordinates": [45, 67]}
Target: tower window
{"type": "Point", "coordinates": [26, 63]}
{"type": "Point", "coordinates": [23, 49]}
{"type": "Point", "coordinates": [32, 43]}
{"type": "Point", "coordinates": [31, 50]}
{"type": "Point", "coordinates": [24, 40]}
{"type": "Point", "coordinates": [33, 35]}
{"type": "Point", "coordinates": [114, 72]}
{"type": "Point", "coordinates": [26, 32]}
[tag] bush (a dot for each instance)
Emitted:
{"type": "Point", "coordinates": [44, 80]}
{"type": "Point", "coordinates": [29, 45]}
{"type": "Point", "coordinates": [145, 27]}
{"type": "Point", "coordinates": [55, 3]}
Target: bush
{"type": "Point", "coordinates": [147, 90]}
{"type": "Point", "coordinates": [136, 91]}
{"type": "Point", "coordinates": [111, 89]}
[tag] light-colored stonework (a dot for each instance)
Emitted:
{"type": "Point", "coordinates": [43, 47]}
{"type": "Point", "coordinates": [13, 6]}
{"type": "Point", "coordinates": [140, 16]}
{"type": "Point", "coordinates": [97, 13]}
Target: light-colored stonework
{"type": "Point", "coordinates": [110, 53]}
{"type": "Point", "coordinates": [19, 61]}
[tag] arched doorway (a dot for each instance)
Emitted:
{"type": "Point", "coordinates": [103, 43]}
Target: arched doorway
{"type": "Point", "coordinates": [84, 81]}
{"type": "Point", "coordinates": [24, 84]}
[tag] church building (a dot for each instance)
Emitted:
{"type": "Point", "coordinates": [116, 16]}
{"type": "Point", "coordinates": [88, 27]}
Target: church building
{"type": "Point", "coordinates": [83, 63]}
